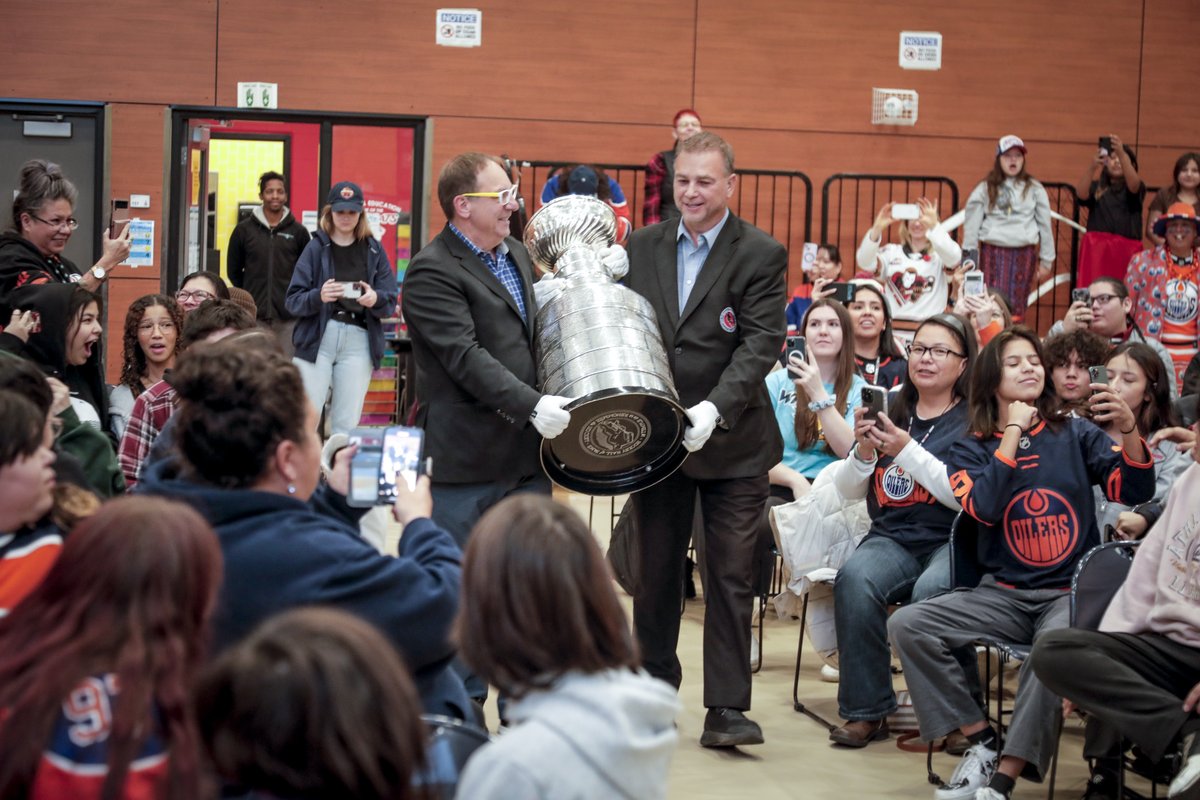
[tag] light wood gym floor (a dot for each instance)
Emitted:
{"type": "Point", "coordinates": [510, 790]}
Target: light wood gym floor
{"type": "Point", "coordinates": [797, 760]}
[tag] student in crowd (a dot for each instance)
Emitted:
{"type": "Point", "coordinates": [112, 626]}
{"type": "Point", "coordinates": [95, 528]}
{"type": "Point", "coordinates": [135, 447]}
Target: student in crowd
{"type": "Point", "coordinates": [1134, 372]}
{"type": "Point", "coordinates": [1113, 194]}
{"type": "Point", "coordinates": [152, 327]}
{"type": "Point", "coordinates": [263, 251]}
{"type": "Point", "coordinates": [1164, 283]}
{"type": "Point", "coordinates": [199, 287]}
{"type": "Point", "coordinates": [154, 407]}
{"type": "Point", "coordinates": [29, 542]}
{"type": "Point", "coordinates": [1025, 475]}
{"type": "Point", "coordinates": [877, 359]}
{"type": "Point", "coordinates": [339, 338]}
{"type": "Point", "coordinates": [313, 703]}
{"type": "Point", "coordinates": [96, 663]}
{"type": "Point", "coordinates": [897, 464]}
{"type": "Point", "coordinates": [1184, 188]}
{"type": "Point", "coordinates": [590, 181]}
{"type": "Point", "coordinates": [66, 344]}
{"type": "Point", "coordinates": [1136, 676]}
{"type": "Point", "coordinates": [586, 722]}
{"type": "Point", "coordinates": [248, 457]}
{"type": "Point", "coordinates": [43, 221]}
{"type": "Point", "coordinates": [916, 272]}
{"type": "Point", "coordinates": [1108, 312]}
{"type": "Point", "coordinates": [1068, 357]}
{"type": "Point", "coordinates": [1008, 220]}
{"type": "Point", "coordinates": [658, 204]}
{"type": "Point", "coordinates": [826, 268]}
{"type": "Point", "coordinates": [814, 399]}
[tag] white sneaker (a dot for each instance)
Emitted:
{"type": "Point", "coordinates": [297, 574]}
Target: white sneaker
{"type": "Point", "coordinates": [988, 793]}
{"type": "Point", "coordinates": [755, 650]}
{"type": "Point", "coordinates": [1186, 783]}
{"type": "Point", "coordinates": [971, 775]}
{"type": "Point", "coordinates": [829, 674]}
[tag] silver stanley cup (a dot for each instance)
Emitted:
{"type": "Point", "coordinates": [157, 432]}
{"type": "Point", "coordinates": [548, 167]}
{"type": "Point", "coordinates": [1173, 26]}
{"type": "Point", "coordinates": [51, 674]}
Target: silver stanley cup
{"type": "Point", "coordinates": [598, 343]}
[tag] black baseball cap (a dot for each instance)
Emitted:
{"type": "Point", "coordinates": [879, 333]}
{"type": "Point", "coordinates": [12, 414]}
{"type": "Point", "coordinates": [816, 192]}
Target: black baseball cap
{"type": "Point", "coordinates": [345, 196]}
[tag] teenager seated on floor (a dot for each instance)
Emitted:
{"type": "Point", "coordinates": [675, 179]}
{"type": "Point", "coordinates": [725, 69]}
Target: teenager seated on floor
{"type": "Point", "coordinates": [1136, 676]}
{"type": "Point", "coordinates": [1025, 475]}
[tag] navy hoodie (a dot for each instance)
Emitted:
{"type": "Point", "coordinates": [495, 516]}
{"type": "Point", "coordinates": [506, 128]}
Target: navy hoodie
{"type": "Point", "coordinates": [282, 553]}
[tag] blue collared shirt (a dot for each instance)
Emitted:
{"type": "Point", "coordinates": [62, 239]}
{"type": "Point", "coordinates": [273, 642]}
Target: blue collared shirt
{"type": "Point", "coordinates": [501, 266]}
{"type": "Point", "coordinates": [689, 258]}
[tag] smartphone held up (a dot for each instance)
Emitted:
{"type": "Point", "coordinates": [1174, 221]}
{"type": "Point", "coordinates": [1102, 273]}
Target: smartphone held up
{"type": "Point", "coordinates": [384, 456]}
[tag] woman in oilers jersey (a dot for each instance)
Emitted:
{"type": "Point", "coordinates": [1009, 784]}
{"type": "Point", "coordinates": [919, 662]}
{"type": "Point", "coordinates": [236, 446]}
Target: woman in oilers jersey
{"type": "Point", "coordinates": [1024, 475]}
{"type": "Point", "coordinates": [897, 463]}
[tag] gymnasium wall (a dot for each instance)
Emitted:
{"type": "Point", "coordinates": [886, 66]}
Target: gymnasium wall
{"type": "Point", "coordinates": [788, 83]}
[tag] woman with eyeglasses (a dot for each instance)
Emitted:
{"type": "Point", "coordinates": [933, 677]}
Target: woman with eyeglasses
{"type": "Point", "coordinates": [1024, 474]}
{"type": "Point", "coordinates": [198, 287]}
{"type": "Point", "coordinates": [1108, 312]}
{"type": "Point", "coordinates": [897, 464]}
{"type": "Point", "coordinates": [152, 327]}
{"type": "Point", "coordinates": [341, 291]}
{"type": "Point", "coordinates": [43, 221]}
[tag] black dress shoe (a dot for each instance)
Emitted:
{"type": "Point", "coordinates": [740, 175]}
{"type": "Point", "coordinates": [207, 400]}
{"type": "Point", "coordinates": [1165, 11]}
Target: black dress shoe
{"type": "Point", "coordinates": [729, 727]}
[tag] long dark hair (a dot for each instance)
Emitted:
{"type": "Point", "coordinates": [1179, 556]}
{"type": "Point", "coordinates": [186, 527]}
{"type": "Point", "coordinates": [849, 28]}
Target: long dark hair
{"type": "Point", "coordinates": [984, 405]}
{"type": "Point", "coordinates": [131, 593]}
{"type": "Point", "coordinates": [996, 177]}
{"type": "Point", "coordinates": [905, 403]}
{"type": "Point", "coordinates": [1157, 410]}
{"type": "Point", "coordinates": [808, 429]}
{"type": "Point", "coordinates": [537, 599]}
{"type": "Point", "coordinates": [1171, 193]}
{"type": "Point", "coordinates": [887, 340]}
{"type": "Point", "coordinates": [315, 702]}
{"type": "Point", "coordinates": [134, 365]}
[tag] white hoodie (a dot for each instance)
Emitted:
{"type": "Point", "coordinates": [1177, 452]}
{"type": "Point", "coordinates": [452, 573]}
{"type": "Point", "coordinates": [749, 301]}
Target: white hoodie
{"type": "Point", "coordinates": [589, 737]}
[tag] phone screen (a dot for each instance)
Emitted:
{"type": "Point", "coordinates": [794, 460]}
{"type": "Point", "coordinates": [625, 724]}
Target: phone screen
{"type": "Point", "coordinates": [973, 284]}
{"type": "Point", "coordinates": [401, 456]}
{"type": "Point", "coordinates": [364, 467]}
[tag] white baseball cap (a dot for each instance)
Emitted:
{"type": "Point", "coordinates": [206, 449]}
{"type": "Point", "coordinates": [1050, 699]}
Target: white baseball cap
{"type": "Point", "coordinates": [1008, 143]}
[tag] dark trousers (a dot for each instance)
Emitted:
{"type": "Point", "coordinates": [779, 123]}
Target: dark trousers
{"type": "Point", "coordinates": [1131, 685]}
{"type": "Point", "coordinates": [731, 509]}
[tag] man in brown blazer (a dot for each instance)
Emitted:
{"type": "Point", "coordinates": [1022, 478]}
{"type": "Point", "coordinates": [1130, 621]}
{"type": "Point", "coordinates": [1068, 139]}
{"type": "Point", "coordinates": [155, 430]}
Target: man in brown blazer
{"type": "Point", "coordinates": [717, 285]}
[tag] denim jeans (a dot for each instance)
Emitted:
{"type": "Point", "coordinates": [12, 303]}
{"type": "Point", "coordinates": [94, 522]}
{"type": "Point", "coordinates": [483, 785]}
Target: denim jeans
{"type": "Point", "coordinates": [343, 360]}
{"type": "Point", "coordinates": [879, 572]}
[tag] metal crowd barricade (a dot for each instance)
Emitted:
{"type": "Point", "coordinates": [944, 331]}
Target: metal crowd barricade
{"type": "Point", "coordinates": [777, 201]}
{"type": "Point", "coordinates": [850, 201]}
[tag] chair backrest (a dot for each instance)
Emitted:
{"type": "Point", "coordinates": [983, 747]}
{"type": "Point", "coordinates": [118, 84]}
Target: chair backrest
{"type": "Point", "coordinates": [964, 552]}
{"type": "Point", "coordinates": [1099, 575]}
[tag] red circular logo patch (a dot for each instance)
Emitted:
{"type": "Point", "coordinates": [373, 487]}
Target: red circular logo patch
{"type": "Point", "coordinates": [728, 320]}
{"type": "Point", "coordinates": [346, 193]}
{"type": "Point", "coordinates": [1040, 527]}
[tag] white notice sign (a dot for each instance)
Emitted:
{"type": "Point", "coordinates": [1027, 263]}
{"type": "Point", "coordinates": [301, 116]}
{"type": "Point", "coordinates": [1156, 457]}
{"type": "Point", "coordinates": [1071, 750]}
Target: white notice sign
{"type": "Point", "coordinates": [920, 50]}
{"type": "Point", "coordinates": [141, 243]}
{"type": "Point", "coordinates": [459, 27]}
{"type": "Point", "coordinates": [255, 94]}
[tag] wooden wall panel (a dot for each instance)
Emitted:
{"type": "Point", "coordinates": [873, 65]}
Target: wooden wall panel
{"type": "Point", "coordinates": [121, 51]}
{"type": "Point", "coordinates": [541, 59]}
{"type": "Point", "coordinates": [1024, 66]}
{"type": "Point", "coordinates": [1169, 113]}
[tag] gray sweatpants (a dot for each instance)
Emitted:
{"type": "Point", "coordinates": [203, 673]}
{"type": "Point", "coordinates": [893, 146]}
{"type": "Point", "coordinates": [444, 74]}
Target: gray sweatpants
{"type": "Point", "coordinates": [926, 635]}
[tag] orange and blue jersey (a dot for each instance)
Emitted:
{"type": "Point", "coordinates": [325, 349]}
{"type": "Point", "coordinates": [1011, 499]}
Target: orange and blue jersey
{"type": "Point", "coordinates": [75, 762]}
{"type": "Point", "coordinates": [1037, 512]}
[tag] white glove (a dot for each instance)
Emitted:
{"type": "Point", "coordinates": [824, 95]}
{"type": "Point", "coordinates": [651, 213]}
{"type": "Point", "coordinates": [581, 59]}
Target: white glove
{"type": "Point", "coordinates": [549, 416]}
{"type": "Point", "coordinates": [703, 417]}
{"type": "Point", "coordinates": [546, 289]}
{"type": "Point", "coordinates": [615, 261]}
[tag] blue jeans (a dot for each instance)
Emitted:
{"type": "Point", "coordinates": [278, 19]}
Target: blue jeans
{"type": "Point", "coordinates": [878, 573]}
{"type": "Point", "coordinates": [343, 361]}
